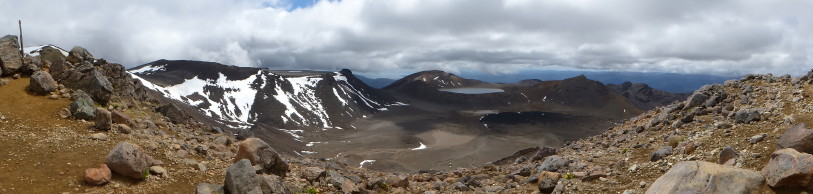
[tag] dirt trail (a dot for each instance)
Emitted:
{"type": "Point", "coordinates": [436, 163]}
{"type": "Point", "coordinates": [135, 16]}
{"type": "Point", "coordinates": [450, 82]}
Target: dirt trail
{"type": "Point", "coordinates": [43, 153]}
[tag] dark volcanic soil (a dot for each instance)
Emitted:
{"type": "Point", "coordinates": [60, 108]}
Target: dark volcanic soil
{"type": "Point", "coordinates": [418, 137]}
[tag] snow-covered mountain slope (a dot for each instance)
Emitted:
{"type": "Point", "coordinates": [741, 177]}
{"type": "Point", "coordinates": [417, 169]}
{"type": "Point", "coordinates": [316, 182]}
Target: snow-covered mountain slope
{"type": "Point", "coordinates": [35, 50]}
{"type": "Point", "coordinates": [244, 96]}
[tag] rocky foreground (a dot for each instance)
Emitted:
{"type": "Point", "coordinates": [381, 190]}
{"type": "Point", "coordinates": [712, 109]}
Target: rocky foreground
{"type": "Point", "coordinates": [76, 124]}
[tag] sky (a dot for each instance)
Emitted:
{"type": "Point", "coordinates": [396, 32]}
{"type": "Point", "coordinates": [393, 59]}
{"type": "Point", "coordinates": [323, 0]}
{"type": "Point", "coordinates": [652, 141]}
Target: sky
{"type": "Point", "coordinates": [386, 38]}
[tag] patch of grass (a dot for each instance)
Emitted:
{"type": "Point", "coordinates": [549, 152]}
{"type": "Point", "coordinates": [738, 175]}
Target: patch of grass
{"type": "Point", "coordinates": [145, 174]}
{"type": "Point", "coordinates": [624, 151]}
{"type": "Point", "coordinates": [569, 176]}
{"type": "Point", "coordinates": [311, 190]}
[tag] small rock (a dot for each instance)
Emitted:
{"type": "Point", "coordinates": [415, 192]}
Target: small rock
{"type": "Point", "coordinates": [633, 168]}
{"type": "Point", "coordinates": [103, 121]}
{"type": "Point", "coordinates": [128, 160]}
{"type": "Point", "coordinates": [260, 153]}
{"type": "Point", "coordinates": [157, 170]}
{"type": "Point", "coordinates": [208, 188]}
{"type": "Point", "coordinates": [273, 184]}
{"type": "Point", "coordinates": [460, 186]}
{"type": "Point", "coordinates": [64, 113]}
{"type": "Point", "coordinates": [756, 138]}
{"type": "Point", "coordinates": [554, 163]}
{"type": "Point", "coordinates": [202, 167]}
{"type": "Point", "coordinates": [745, 116]}
{"type": "Point", "coordinates": [98, 176]}
{"type": "Point", "coordinates": [548, 181]}
{"type": "Point", "coordinates": [728, 156]}
{"type": "Point", "coordinates": [123, 129]}
{"type": "Point", "coordinates": [642, 184]}
{"type": "Point", "coordinates": [660, 153]}
{"type": "Point", "coordinates": [99, 136]}
{"type": "Point", "coordinates": [82, 106]}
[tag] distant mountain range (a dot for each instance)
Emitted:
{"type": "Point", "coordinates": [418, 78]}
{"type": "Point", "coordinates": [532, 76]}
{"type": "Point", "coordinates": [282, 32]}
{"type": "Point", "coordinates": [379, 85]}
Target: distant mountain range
{"type": "Point", "coordinates": [657, 80]}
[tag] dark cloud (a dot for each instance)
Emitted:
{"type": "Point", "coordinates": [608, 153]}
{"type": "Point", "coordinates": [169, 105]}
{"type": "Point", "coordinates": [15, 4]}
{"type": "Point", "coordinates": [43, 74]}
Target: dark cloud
{"type": "Point", "coordinates": [381, 36]}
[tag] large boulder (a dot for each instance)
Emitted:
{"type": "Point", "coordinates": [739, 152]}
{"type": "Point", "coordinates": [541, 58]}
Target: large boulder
{"type": "Point", "coordinates": [103, 121]}
{"type": "Point", "coordinates": [174, 113]}
{"type": "Point", "coordinates": [97, 176]}
{"type": "Point", "coordinates": [706, 177]}
{"type": "Point", "coordinates": [42, 83]}
{"type": "Point", "coordinates": [554, 163]}
{"type": "Point", "coordinates": [10, 55]}
{"type": "Point", "coordinates": [128, 160]}
{"type": "Point", "coordinates": [260, 153]}
{"type": "Point", "coordinates": [51, 54]}
{"type": "Point", "coordinates": [82, 106]}
{"type": "Point", "coordinates": [60, 70]}
{"type": "Point", "coordinates": [798, 137]}
{"type": "Point", "coordinates": [789, 168]}
{"type": "Point", "coordinates": [241, 178]}
{"type": "Point", "coordinates": [79, 54]}
{"type": "Point", "coordinates": [98, 86]}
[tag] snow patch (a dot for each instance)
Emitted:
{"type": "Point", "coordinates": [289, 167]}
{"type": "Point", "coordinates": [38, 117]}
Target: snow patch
{"type": "Point", "coordinates": [149, 69]}
{"type": "Point", "coordinates": [420, 147]}
{"type": "Point", "coordinates": [361, 164]}
{"type": "Point", "coordinates": [35, 50]}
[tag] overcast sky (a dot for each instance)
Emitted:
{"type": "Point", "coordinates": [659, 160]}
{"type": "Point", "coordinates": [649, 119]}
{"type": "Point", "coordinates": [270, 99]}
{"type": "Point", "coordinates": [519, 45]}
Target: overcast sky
{"type": "Point", "coordinates": [380, 37]}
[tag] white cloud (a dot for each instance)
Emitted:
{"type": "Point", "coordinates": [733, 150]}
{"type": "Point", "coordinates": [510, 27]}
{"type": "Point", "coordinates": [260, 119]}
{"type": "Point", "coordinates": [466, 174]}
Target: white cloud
{"type": "Point", "coordinates": [381, 36]}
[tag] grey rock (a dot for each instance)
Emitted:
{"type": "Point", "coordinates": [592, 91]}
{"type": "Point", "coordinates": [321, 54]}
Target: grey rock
{"type": "Point", "coordinates": [42, 83]}
{"type": "Point", "coordinates": [554, 163]}
{"type": "Point", "coordinates": [98, 86]}
{"type": "Point", "coordinates": [79, 54]}
{"type": "Point", "coordinates": [103, 120]}
{"type": "Point", "coordinates": [745, 116]}
{"type": "Point", "coordinates": [82, 106]}
{"type": "Point", "coordinates": [660, 153]}
{"type": "Point", "coordinates": [272, 184]}
{"type": "Point", "coordinates": [697, 99]}
{"type": "Point", "coordinates": [174, 113]}
{"type": "Point", "coordinates": [128, 160]}
{"type": "Point", "coordinates": [706, 177]}
{"type": "Point", "coordinates": [65, 113]}
{"type": "Point", "coordinates": [10, 55]}
{"type": "Point", "coordinates": [241, 178]}
{"type": "Point", "coordinates": [51, 54]}
{"type": "Point", "coordinates": [757, 138]}
{"type": "Point", "coordinates": [798, 137]}
{"type": "Point", "coordinates": [460, 186]}
{"type": "Point", "coordinates": [208, 188]}
{"type": "Point", "coordinates": [543, 152]}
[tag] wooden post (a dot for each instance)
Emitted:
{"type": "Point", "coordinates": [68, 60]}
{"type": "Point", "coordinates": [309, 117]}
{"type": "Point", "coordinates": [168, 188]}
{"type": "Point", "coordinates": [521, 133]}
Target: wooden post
{"type": "Point", "coordinates": [22, 54]}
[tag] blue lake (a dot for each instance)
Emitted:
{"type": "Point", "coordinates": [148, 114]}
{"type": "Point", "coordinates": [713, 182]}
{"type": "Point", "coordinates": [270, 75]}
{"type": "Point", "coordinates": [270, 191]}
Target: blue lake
{"type": "Point", "coordinates": [473, 90]}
